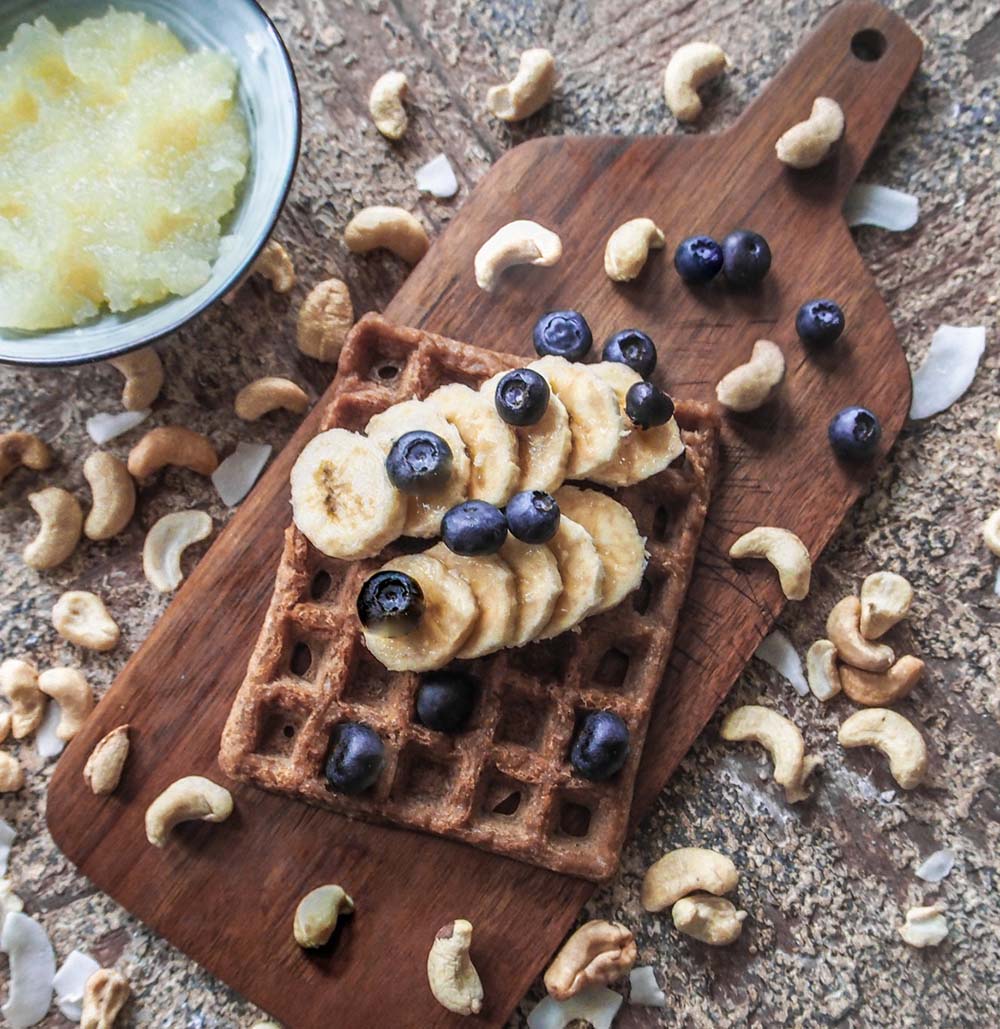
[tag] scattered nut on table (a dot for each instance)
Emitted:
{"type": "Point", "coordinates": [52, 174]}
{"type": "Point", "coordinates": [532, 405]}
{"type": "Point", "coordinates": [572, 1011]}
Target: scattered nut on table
{"type": "Point", "coordinates": [317, 915]}
{"type": "Point", "coordinates": [821, 670]}
{"type": "Point", "coordinates": [712, 920]}
{"type": "Point", "coordinates": [786, 552]}
{"type": "Point", "coordinates": [165, 544]}
{"type": "Point", "coordinates": [749, 386]}
{"type": "Point", "coordinates": [689, 68]}
{"type": "Point", "coordinates": [598, 953]}
{"type": "Point", "coordinates": [187, 799]}
{"type": "Point", "coordinates": [104, 996]}
{"type": "Point", "coordinates": [925, 926]}
{"type": "Point", "coordinates": [274, 264]}
{"type": "Point", "coordinates": [843, 627]}
{"type": "Point", "coordinates": [385, 104]}
{"type": "Point", "coordinates": [885, 600]}
{"type": "Point", "coordinates": [143, 371]}
{"type": "Point", "coordinates": [81, 617]}
{"type": "Point", "coordinates": [991, 532]}
{"type": "Point", "coordinates": [22, 450]}
{"type": "Point", "coordinates": [529, 90]}
{"type": "Point", "coordinates": [517, 242]}
{"type": "Point", "coordinates": [879, 689]}
{"type": "Point", "coordinates": [270, 393]}
{"type": "Point", "coordinates": [810, 142]}
{"type": "Point", "coordinates": [896, 737]}
{"type": "Point", "coordinates": [19, 684]}
{"type": "Point", "coordinates": [70, 690]}
{"type": "Point", "coordinates": [11, 773]}
{"type": "Point", "coordinates": [684, 871]}
{"type": "Point", "coordinates": [103, 770]}
{"type": "Point", "coordinates": [172, 445]}
{"type": "Point", "coordinates": [387, 228]}
{"type": "Point", "coordinates": [62, 526]}
{"type": "Point", "coordinates": [628, 248]}
{"type": "Point", "coordinates": [325, 319]}
{"type": "Point", "coordinates": [113, 493]}
{"type": "Point", "coordinates": [453, 978]}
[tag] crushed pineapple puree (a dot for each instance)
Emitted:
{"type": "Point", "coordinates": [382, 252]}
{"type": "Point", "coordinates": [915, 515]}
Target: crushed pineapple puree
{"type": "Point", "coordinates": [120, 152]}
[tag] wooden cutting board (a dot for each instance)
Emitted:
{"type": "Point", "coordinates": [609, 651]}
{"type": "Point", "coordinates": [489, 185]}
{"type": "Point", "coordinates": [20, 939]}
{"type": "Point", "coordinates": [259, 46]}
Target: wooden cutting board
{"type": "Point", "coordinates": [226, 894]}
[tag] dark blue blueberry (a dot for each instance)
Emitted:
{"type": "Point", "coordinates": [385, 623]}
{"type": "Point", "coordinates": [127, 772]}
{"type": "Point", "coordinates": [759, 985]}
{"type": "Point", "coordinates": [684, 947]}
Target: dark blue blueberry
{"type": "Point", "coordinates": [564, 334]}
{"type": "Point", "coordinates": [648, 406]}
{"type": "Point", "coordinates": [419, 461]}
{"type": "Point", "coordinates": [390, 604]}
{"type": "Point", "coordinates": [855, 433]}
{"type": "Point", "coordinates": [820, 322]}
{"type": "Point", "coordinates": [746, 257]}
{"type": "Point", "coordinates": [474, 527]}
{"type": "Point", "coordinates": [356, 758]}
{"type": "Point", "coordinates": [633, 348]}
{"type": "Point", "coordinates": [522, 397]}
{"type": "Point", "coordinates": [600, 747]}
{"type": "Point", "coordinates": [533, 516]}
{"type": "Point", "coordinates": [445, 700]}
{"type": "Point", "coordinates": [698, 259]}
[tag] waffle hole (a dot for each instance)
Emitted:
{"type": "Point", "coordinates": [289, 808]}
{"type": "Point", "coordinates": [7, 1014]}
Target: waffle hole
{"type": "Point", "coordinates": [369, 682]}
{"type": "Point", "coordinates": [320, 585]}
{"type": "Point", "coordinates": [288, 731]}
{"type": "Point", "coordinates": [422, 776]}
{"type": "Point", "coordinates": [509, 804]}
{"type": "Point", "coordinates": [502, 797]}
{"type": "Point", "coordinates": [612, 668]}
{"type": "Point", "coordinates": [278, 729]}
{"type": "Point", "coordinates": [522, 720]}
{"type": "Point", "coordinates": [643, 596]}
{"type": "Point", "coordinates": [661, 523]}
{"type": "Point", "coordinates": [574, 819]}
{"type": "Point", "coordinates": [546, 661]}
{"type": "Point", "coordinates": [386, 372]}
{"type": "Point", "coordinates": [302, 659]}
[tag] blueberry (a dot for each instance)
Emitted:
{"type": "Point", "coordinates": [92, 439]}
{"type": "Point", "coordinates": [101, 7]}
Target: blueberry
{"type": "Point", "coordinates": [533, 516]}
{"type": "Point", "coordinates": [600, 747]}
{"type": "Point", "coordinates": [648, 406]}
{"type": "Point", "coordinates": [564, 334]}
{"type": "Point", "coordinates": [633, 348]}
{"type": "Point", "coordinates": [390, 604]}
{"type": "Point", "coordinates": [698, 259]}
{"type": "Point", "coordinates": [855, 433]}
{"type": "Point", "coordinates": [820, 322]}
{"type": "Point", "coordinates": [418, 461]}
{"type": "Point", "coordinates": [356, 757]}
{"type": "Point", "coordinates": [522, 397]}
{"type": "Point", "coordinates": [746, 257]}
{"type": "Point", "coordinates": [445, 700]}
{"type": "Point", "coordinates": [474, 527]}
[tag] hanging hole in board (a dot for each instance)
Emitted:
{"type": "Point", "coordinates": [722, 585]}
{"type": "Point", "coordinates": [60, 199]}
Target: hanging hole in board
{"type": "Point", "coordinates": [289, 731]}
{"type": "Point", "coordinates": [868, 45]}
{"type": "Point", "coordinates": [386, 372]}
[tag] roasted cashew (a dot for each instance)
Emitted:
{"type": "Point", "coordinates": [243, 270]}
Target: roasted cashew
{"type": "Point", "coordinates": [172, 445]}
{"type": "Point", "coordinates": [81, 617]}
{"type": "Point", "coordinates": [71, 691]}
{"type": "Point", "coordinates": [878, 689]}
{"type": "Point", "coordinates": [317, 914]}
{"type": "Point", "coordinates": [682, 872]}
{"type": "Point", "coordinates": [894, 736]}
{"type": "Point", "coordinates": [529, 90]}
{"type": "Point", "coordinates": [103, 998]}
{"type": "Point", "coordinates": [165, 544]}
{"type": "Point", "coordinates": [19, 684]}
{"type": "Point", "coordinates": [193, 797]}
{"type": "Point", "coordinates": [103, 770]}
{"type": "Point", "coordinates": [113, 491]}
{"type": "Point", "coordinates": [325, 319]}
{"type": "Point", "coordinates": [843, 627]}
{"type": "Point", "coordinates": [453, 978]}
{"type": "Point", "coordinates": [62, 526]}
{"type": "Point", "coordinates": [274, 264]}
{"type": "Point", "coordinates": [22, 450]}
{"type": "Point", "coordinates": [628, 248]}
{"type": "Point", "coordinates": [518, 242]}
{"type": "Point", "coordinates": [822, 671]}
{"type": "Point", "coordinates": [267, 394]}
{"type": "Point", "coordinates": [713, 920]}
{"type": "Point", "coordinates": [991, 532]}
{"type": "Point", "coordinates": [391, 228]}
{"type": "Point", "coordinates": [689, 68]}
{"type": "Point", "coordinates": [809, 142]}
{"type": "Point", "coordinates": [749, 386]}
{"type": "Point", "coordinates": [925, 926]}
{"type": "Point", "coordinates": [385, 104]}
{"type": "Point", "coordinates": [11, 773]}
{"type": "Point", "coordinates": [885, 600]}
{"type": "Point", "coordinates": [598, 953]}
{"type": "Point", "coordinates": [143, 373]}
{"type": "Point", "coordinates": [785, 551]}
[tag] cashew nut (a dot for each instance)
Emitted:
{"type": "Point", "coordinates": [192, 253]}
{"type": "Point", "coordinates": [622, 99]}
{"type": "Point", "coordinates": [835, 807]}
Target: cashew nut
{"type": "Point", "coordinates": [628, 248]}
{"type": "Point", "coordinates": [713, 920]}
{"type": "Point", "coordinates": [518, 242]}
{"type": "Point", "coordinates": [822, 671]}
{"type": "Point", "coordinates": [62, 526]}
{"type": "Point", "coordinates": [991, 532]}
{"type": "Point", "coordinates": [885, 600]}
{"type": "Point", "coordinates": [391, 228]}
{"type": "Point", "coordinates": [894, 736]}
{"type": "Point", "coordinates": [598, 953]}
{"type": "Point", "coordinates": [749, 386]}
{"type": "Point", "coordinates": [843, 626]}
{"type": "Point", "coordinates": [529, 90]}
{"type": "Point", "coordinates": [143, 373]}
{"type": "Point", "coordinates": [453, 978]}
{"type": "Point", "coordinates": [114, 495]}
{"type": "Point", "coordinates": [325, 319]}
{"type": "Point", "coordinates": [875, 689]}
{"type": "Point", "coordinates": [71, 691]}
{"type": "Point", "coordinates": [165, 544]}
{"type": "Point", "coordinates": [19, 684]}
{"type": "Point", "coordinates": [81, 617]}
{"type": "Point", "coordinates": [688, 69]}
{"type": "Point", "coordinates": [103, 770]}
{"type": "Point", "coordinates": [683, 871]}
{"type": "Point", "coordinates": [385, 104]}
{"type": "Point", "coordinates": [274, 264]}
{"type": "Point", "coordinates": [785, 551]}
{"type": "Point", "coordinates": [193, 797]}
{"type": "Point", "coordinates": [925, 926]}
{"type": "Point", "coordinates": [269, 394]}
{"type": "Point", "coordinates": [172, 445]}
{"type": "Point", "coordinates": [317, 914]}
{"type": "Point", "coordinates": [781, 738]}
{"type": "Point", "coordinates": [103, 998]}
{"type": "Point", "coordinates": [11, 773]}
{"type": "Point", "coordinates": [22, 450]}
{"type": "Point", "coordinates": [809, 142]}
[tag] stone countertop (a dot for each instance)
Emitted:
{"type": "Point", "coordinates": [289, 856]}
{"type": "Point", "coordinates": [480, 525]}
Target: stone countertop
{"type": "Point", "coordinates": [825, 883]}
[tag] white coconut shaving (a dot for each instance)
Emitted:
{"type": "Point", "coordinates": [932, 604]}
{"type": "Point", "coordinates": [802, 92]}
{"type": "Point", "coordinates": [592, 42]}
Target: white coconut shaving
{"type": "Point", "coordinates": [47, 743]}
{"type": "Point", "coordinates": [437, 177]}
{"type": "Point", "coordinates": [777, 651]}
{"type": "Point", "coordinates": [108, 425]}
{"type": "Point", "coordinates": [936, 866]}
{"type": "Point", "coordinates": [7, 836]}
{"type": "Point", "coordinates": [643, 989]}
{"type": "Point", "coordinates": [70, 981]}
{"type": "Point", "coordinates": [9, 900]}
{"type": "Point", "coordinates": [948, 369]}
{"type": "Point", "coordinates": [32, 969]}
{"type": "Point", "coordinates": [596, 1004]}
{"type": "Point", "coordinates": [868, 204]}
{"type": "Point", "coordinates": [235, 476]}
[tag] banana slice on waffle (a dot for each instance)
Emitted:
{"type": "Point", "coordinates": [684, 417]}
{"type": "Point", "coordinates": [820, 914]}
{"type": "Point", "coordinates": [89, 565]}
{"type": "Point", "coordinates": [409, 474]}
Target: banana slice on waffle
{"type": "Point", "coordinates": [539, 586]}
{"type": "Point", "coordinates": [495, 589]}
{"type": "Point", "coordinates": [596, 421]}
{"type": "Point", "coordinates": [643, 452]}
{"type": "Point", "coordinates": [424, 511]}
{"type": "Point", "coordinates": [582, 572]}
{"type": "Point", "coordinates": [489, 440]}
{"type": "Point", "coordinates": [613, 529]}
{"type": "Point", "coordinates": [450, 614]}
{"type": "Point", "coordinates": [342, 499]}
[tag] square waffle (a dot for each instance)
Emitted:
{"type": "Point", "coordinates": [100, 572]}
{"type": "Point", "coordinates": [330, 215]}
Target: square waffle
{"type": "Point", "coordinates": [505, 783]}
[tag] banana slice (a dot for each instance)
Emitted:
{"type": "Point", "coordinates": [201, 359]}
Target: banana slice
{"type": "Point", "coordinates": [342, 499]}
{"type": "Point", "coordinates": [490, 441]}
{"type": "Point", "coordinates": [424, 511]}
{"type": "Point", "coordinates": [539, 586]}
{"type": "Point", "coordinates": [582, 574]}
{"type": "Point", "coordinates": [595, 415]}
{"type": "Point", "coordinates": [543, 448]}
{"type": "Point", "coordinates": [495, 589]}
{"type": "Point", "coordinates": [643, 452]}
{"type": "Point", "coordinates": [450, 613]}
{"type": "Point", "coordinates": [613, 529]}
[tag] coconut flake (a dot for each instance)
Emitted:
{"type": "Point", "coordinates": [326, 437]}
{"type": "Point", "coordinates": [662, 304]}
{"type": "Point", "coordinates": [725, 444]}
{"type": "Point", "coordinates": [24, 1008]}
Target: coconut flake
{"type": "Point", "coordinates": [868, 204]}
{"type": "Point", "coordinates": [936, 866]}
{"type": "Point", "coordinates": [32, 969]}
{"type": "Point", "coordinates": [47, 743]}
{"type": "Point", "coordinates": [925, 927]}
{"type": "Point", "coordinates": [643, 988]}
{"type": "Point", "coordinates": [9, 900]}
{"type": "Point", "coordinates": [948, 369]}
{"type": "Point", "coordinates": [777, 651]}
{"type": "Point", "coordinates": [596, 1004]}
{"type": "Point", "coordinates": [70, 981]}
{"type": "Point", "coordinates": [107, 425]}
{"type": "Point", "coordinates": [7, 836]}
{"type": "Point", "coordinates": [437, 177]}
{"type": "Point", "coordinates": [236, 475]}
